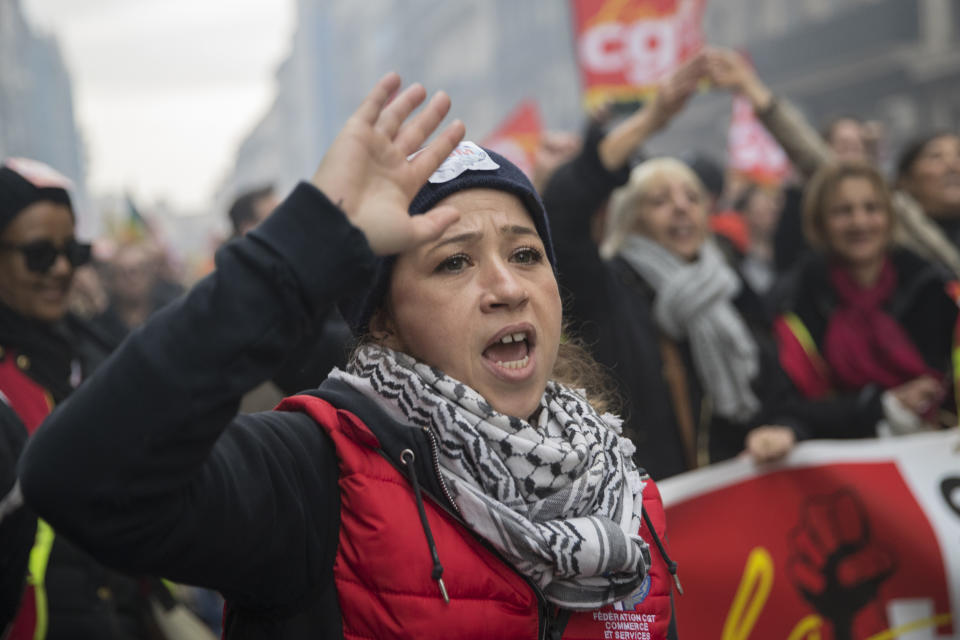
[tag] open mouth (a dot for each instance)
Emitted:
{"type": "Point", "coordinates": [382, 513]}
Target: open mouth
{"type": "Point", "coordinates": [511, 348]}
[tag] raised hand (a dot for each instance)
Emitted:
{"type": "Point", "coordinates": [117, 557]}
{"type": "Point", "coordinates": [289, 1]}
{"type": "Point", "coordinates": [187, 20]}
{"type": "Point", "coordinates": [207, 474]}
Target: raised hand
{"type": "Point", "coordinates": [728, 69]}
{"type": "Point", "coordinates": [367, 174]}
{"type": "Point", "coordinates": [672, 94]}
{"type": "Point", "coordinates": [835, 565]}
{"type": "Point", "coordinates": [674, 90]}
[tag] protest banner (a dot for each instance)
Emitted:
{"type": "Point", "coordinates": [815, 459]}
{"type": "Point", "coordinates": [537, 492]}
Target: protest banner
{"type": "Point", "coordinates": [516, 138]}
{"type": "Point", "coordinates": [624, 47]}
{"type": "Point", "coordinates": [856, 539]}
{"type": "Point", "coordinates": [751, 150]}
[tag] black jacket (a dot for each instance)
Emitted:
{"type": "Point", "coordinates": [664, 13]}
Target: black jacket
{"type": "Point", "coordinates": [920, 304]}
{"type": "Point", "coordinates": [17, 524]}
{"type": "Point", "coordinates": [611, 310]}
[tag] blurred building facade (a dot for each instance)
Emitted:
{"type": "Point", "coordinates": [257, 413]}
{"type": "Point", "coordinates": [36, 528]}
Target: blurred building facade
{"type": "Point", "coordinates": [893, 60]}
{"type": "Point", "coordinates": [489, 55]}
{"type": "Point", "coordinates": [36, 101]}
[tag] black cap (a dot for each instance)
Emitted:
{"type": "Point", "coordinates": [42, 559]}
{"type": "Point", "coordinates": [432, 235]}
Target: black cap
{"type": "Point", "coordinates": [24, 182]}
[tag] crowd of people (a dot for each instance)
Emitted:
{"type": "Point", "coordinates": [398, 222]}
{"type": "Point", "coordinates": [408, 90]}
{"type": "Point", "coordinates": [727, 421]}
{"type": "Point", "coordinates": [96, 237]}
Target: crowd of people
{"type": "Point", "coordinates": [485, 376]}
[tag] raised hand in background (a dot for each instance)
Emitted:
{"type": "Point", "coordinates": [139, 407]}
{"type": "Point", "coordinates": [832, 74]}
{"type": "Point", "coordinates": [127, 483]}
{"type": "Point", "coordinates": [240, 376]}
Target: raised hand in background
{"type": "Point", "coordinates": [671, 97]}
{"type": "Point", "coordinates": [728, 69]}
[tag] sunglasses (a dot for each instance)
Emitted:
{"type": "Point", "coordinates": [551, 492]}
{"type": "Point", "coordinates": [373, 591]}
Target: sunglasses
{"type": "Point", "coordinates": [41, 254]}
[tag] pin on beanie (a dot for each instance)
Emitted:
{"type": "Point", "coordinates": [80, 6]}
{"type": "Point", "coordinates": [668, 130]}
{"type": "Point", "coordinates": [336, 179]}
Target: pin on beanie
{"type": "Point", "coordinates": [468, 166]}
{"type": "Point", "coordinates": [24, 182]}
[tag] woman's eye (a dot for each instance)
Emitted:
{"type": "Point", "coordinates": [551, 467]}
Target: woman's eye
{"type": "Point", "coordinates": [454, 264]}
{"type": "Point", "coordinates": [527, 255]}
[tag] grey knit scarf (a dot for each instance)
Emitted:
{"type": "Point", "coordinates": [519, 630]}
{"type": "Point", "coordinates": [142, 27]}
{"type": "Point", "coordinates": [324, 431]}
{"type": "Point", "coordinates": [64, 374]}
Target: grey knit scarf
{"type": "Point", "coordinates": [560, 498]}
{"type": "Point", "coordinates": [694, 301]}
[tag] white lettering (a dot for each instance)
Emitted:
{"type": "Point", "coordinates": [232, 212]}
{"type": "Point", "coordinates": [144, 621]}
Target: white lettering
{"type": "Point", "coordinates": [643, 51]}
{"type": "Point", "coordinates": [627, 635]}
{"type": "Point", "coordinates": [652, 48]}
{"type": "Point", "coordinates": [623, 626]}
{"type": "Point", "coordinates": [601, 48]}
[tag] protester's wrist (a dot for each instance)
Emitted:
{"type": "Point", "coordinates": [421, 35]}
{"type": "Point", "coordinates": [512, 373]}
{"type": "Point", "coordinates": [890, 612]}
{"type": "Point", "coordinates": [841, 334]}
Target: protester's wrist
{"type": "Point", "coordinates": [305, 221]}
{"type": "Point", "coordinates": [618, 145]}
{"type": "Point", "coordinates": [758, 94]}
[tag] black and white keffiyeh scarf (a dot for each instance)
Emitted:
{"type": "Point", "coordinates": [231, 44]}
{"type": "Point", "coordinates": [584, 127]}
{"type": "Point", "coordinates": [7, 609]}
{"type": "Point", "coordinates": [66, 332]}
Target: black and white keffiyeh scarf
{"type": "Point", "coordinates": [560, 498]}
{"type": "Point", "coordinates": [695, 300]}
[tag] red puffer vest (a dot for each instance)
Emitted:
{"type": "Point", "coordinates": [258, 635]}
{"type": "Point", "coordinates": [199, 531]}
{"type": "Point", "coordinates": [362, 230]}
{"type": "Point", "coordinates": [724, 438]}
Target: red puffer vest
{"type": "Point", "coordinates": [383, 568]}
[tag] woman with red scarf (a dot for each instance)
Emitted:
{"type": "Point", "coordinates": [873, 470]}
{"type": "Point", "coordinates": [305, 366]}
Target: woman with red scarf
{"type": "Point", "coordinates": [866, 332]}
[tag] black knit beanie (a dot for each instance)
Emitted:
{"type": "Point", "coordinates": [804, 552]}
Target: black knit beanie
{"type": "Point", "coordinates": [468, 167]}
{"type": "Point", "coordinates": [24, 182]}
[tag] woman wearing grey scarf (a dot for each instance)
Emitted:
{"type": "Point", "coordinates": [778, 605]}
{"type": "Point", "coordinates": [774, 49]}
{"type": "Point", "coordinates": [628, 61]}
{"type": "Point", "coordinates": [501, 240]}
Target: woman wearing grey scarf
{"type": "Point", "coordinates": [694, 302]}
{"type": "Point", "coordinates": [659, 227]}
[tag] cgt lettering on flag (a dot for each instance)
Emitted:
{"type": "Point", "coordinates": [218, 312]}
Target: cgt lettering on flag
{"type": "Point", "coordinates": [624, 47]}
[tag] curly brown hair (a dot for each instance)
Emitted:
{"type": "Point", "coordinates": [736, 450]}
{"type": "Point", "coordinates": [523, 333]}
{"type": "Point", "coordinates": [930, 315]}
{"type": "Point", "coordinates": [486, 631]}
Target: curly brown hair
{"type": "Point", "coordinates": [577, 369]}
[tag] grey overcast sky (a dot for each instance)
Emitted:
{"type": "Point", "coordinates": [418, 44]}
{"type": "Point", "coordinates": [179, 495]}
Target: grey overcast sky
{"type": "Point", "coordinates": [165, 90]}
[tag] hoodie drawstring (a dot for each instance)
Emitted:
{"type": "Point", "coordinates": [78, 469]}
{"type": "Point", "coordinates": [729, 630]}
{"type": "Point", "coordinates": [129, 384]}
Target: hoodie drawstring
{"type": "Point", "coordinates": [407, 457]}
{"type": "Point", "coordinates": [671, 565]}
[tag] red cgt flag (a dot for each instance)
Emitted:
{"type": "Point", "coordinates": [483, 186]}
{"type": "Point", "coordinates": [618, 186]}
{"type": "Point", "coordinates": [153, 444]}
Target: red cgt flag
{"type": "Point", "coordinates": [624, 47]}
{"type": "Point", "coordinates": [518, 135]}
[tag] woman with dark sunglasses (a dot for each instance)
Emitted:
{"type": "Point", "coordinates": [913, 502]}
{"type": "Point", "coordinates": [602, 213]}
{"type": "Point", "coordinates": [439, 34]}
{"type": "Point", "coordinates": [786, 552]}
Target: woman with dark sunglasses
{"type": "Point", "coordinates": [48, 588]}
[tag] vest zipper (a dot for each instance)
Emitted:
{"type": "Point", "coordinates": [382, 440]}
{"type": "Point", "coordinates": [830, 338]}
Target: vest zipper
{"type": "Point", "coordinates": [556, 623]}
{"type": "Point", "coordinates": [543, 609]}
{"type": "Point", "coordinates": [435, 455]}
{"type": "Point", "coordinates": [407, 458]}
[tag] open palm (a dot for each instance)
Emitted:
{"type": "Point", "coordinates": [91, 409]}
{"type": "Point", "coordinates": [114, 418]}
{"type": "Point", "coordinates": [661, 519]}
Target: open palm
{"type": "Point", "coordinates": [368, 175]}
